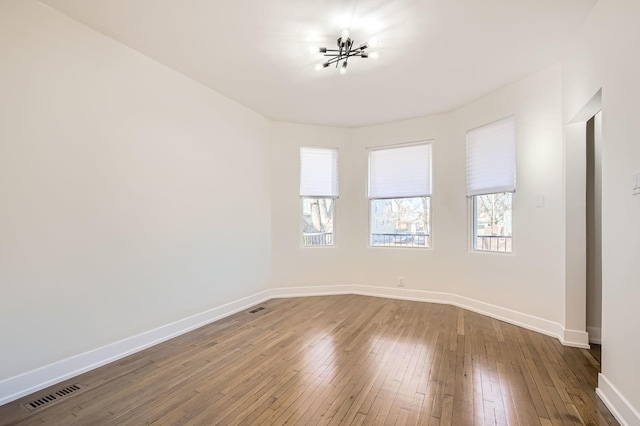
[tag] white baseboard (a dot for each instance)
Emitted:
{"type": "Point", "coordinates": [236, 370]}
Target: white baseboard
{"type": "Point", "coordinates": [325, 290]}
{"type": "Point", "coordinates": [595, 335]}
{"type": "Point", "coordinates": [573, 338]}
{"type": "Point", "coordinates": [621, 409]}
{"type": "Point", "coordinates": [32, 381]}
{"type": "Point", "coordinates": [576, 339]}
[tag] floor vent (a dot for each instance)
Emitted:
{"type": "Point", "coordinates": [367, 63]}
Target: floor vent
{"type": "Point", "coordinates": [45, 400]}
{"type": "Point", "coordinates": [256, 310]}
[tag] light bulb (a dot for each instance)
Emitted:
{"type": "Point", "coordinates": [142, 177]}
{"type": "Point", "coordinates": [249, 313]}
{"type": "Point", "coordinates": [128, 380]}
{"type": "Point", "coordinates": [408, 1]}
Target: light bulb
{"type": "Point", "coordinates": [344, 36]}
{"type": "Point", "coordinates": [313, 49]}
{"type": "Point", "coordinates": [374, 42]}
{"type": "Point", "coordinates": [374, 55]}
{"type": "Point", "coordinates": [343, 68]}
{"type": "Point", "coordinates": [318, 67]}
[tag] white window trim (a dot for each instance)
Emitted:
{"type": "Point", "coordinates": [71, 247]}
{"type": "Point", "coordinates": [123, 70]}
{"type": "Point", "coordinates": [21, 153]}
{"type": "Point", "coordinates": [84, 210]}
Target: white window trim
{"type": "Point", "coordinates": [430, 247]}
{"type": "Point", "coordinates": [331, 193]}
{"type": "Point", "coordinates": [430, 196]}
{"type": "Point", "coordinates": [471, 231]}
{"type": "Point", "coordinates": [301, 224]}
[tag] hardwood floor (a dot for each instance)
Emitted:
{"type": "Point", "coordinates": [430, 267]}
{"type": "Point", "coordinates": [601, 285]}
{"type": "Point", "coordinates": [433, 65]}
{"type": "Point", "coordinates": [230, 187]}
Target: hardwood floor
{"type": "Point", "coordinates": [338, 360]}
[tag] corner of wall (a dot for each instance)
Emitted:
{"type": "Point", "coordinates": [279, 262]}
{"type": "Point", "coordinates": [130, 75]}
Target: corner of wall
{"type": "Point", "coordinates": [621, 409]}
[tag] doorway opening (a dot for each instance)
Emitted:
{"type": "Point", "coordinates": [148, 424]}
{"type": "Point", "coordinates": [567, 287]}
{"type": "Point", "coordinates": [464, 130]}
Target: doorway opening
{"type": "Point", "coordinates": [594, 231]}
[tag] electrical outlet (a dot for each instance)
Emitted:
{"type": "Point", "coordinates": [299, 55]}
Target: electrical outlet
{"type": "Point", "coordinates": [400, 281]}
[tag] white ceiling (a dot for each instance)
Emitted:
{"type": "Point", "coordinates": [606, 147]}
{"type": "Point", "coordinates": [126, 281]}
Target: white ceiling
{"type": "Point", "coordinates": [435, 55]}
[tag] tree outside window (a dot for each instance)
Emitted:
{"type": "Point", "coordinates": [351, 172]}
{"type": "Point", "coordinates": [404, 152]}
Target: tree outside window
{"type": "Point", "coordinates": [493, 222]}
{"type": "Point", "coordinates": [317, 226]}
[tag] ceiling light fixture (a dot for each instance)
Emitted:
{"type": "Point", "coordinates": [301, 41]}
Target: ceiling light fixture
{"type": "Point", "coordinates": [345, 50]}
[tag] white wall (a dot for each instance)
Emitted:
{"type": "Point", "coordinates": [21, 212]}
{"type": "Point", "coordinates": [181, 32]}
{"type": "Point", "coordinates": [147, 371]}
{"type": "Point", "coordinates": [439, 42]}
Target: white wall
{"type": "Point", "coordinates": [605, 56]}
{"type": "Point", "coordinates": [421, 269]}
{"type": "Point", "coordinates": [292, 265]}
{"type": "Point", "coordinates": [131, 196]}
{"type": "Point", "coordinates": [530, 281]}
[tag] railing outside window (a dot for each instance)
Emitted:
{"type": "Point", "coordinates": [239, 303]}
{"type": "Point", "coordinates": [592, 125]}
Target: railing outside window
{"type": "Point", "coordinates": [401, 240]}
{"type": "Point", "coordinates": [318, 239]}
{"type": "Point", "coordinates": [499, 243]}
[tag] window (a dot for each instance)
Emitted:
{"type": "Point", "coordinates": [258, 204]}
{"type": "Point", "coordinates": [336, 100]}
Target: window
{"type": "Point", "coordinates": [400, 196]}
{"type": "Point", "coordinates": [492, 222]}
{"type": "Point", "coordinates": [491, 181]}
{"type": "Point", "coordinates": [318, 192]}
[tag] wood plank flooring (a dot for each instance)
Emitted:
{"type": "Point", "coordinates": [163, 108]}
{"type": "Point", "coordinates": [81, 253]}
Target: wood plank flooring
{"type": "Point", "coordinates": [338, 360]}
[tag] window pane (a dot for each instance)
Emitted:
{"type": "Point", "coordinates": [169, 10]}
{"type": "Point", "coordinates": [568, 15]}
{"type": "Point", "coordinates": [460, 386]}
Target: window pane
{"type": "Point", "coordinates": [492, 222]}
{"type": "Point", "coordinates": [317, 221]}
{"type": "Point", "coordinates": [400, 222]}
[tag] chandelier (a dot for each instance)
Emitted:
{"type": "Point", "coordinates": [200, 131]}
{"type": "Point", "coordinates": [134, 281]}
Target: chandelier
{"type": "Point", "coordinates": [345, 50]}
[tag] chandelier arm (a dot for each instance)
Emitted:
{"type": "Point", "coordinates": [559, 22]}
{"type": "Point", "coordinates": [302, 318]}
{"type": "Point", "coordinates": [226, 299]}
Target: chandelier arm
{"type": "Point", "coordinates": [350, 55]}
{"type": "Point", "coordinates": [333, 60]}
{"type": "Point", "coordinates": [336, 58]}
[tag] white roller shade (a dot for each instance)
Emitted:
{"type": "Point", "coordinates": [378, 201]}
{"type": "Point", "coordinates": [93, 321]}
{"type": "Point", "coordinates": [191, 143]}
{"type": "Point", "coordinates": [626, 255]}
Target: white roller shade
{"type": "Point", "coordinates": [318, 172]}
{"type": "Point", "coordinates": [400, 172]}
{"type": "Point", "coordinates": [491, 158]}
